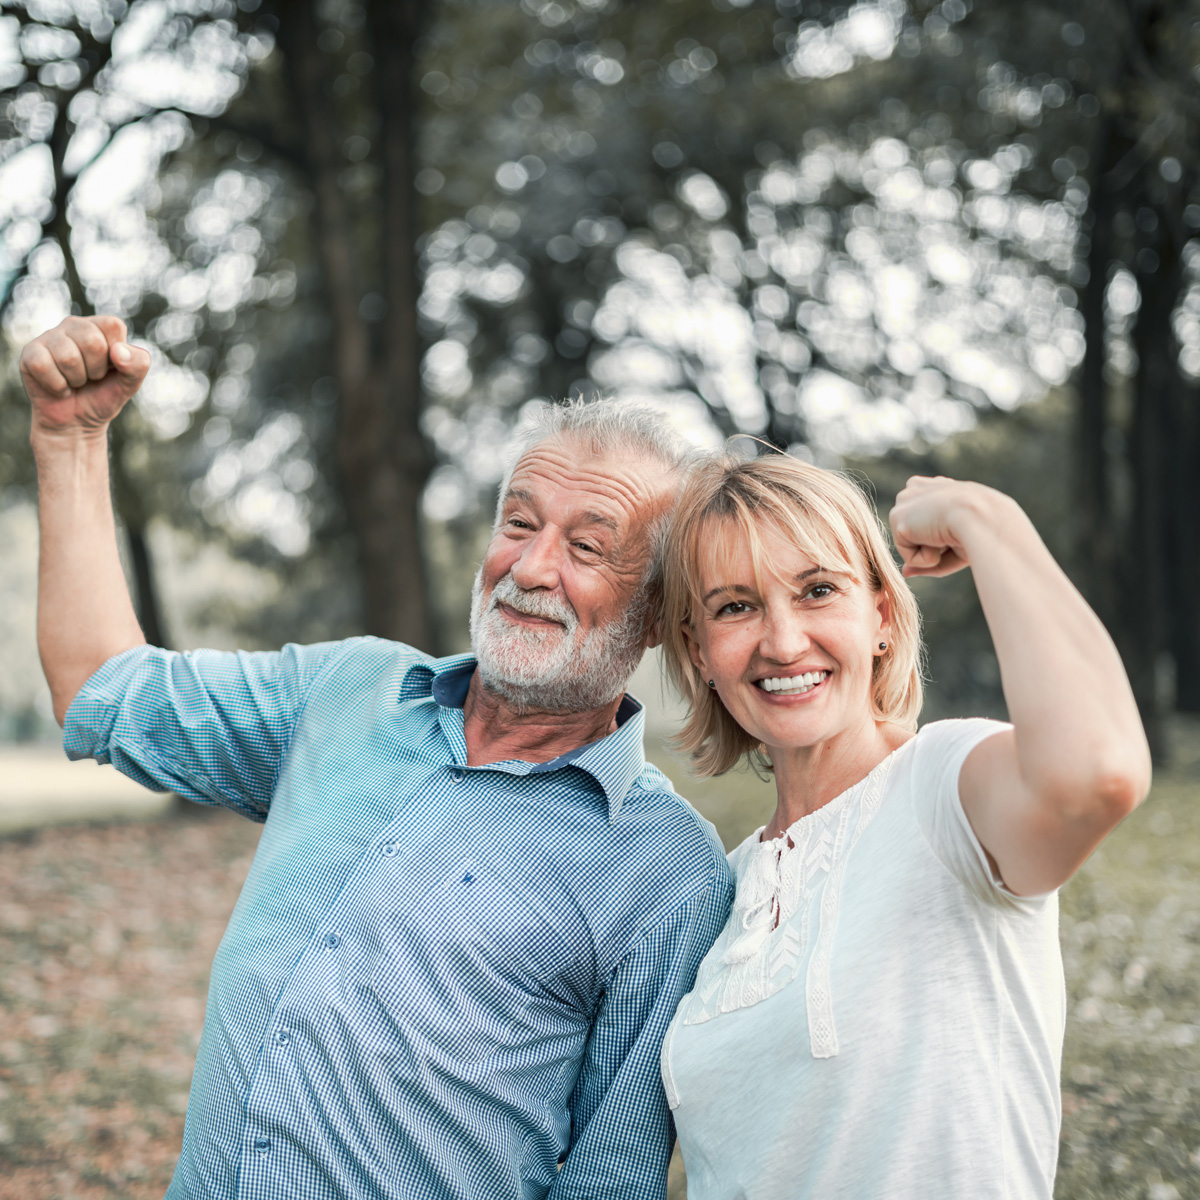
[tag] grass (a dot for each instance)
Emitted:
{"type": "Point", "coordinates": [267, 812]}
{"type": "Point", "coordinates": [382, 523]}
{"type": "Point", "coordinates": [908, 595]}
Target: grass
{"type": "Point", "coordinates": [107, 933]}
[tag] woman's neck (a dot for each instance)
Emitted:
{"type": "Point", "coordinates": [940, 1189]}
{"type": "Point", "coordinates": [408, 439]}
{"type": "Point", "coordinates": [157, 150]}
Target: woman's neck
{"type": "Point", "coordinates": [808, 777]}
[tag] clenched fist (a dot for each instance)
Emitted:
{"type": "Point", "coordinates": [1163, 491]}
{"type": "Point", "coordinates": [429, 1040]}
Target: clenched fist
{"type": "Point", "coordinates": [80, 374]}
{"type": "Point", "coordinates": [934, 519]}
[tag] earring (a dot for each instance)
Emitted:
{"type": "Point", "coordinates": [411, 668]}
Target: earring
{"type": "Point", "coordinates": [883, 645]}
{"type": "Point", "coordinates": [712, 683]}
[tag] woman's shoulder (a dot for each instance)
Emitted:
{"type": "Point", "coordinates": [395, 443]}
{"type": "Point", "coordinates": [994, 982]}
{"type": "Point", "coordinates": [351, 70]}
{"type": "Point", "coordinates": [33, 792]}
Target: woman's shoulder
{"type": "Point", "coordinates": [934, 757]}
{"type": "Point", "coordinates": [737, 856]}
{"type": "Point", "coordinates": [955, 734]}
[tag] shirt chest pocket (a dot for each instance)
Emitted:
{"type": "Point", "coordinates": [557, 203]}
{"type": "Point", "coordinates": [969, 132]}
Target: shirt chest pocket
{"type": "Point", "coordinates": [472, 949]}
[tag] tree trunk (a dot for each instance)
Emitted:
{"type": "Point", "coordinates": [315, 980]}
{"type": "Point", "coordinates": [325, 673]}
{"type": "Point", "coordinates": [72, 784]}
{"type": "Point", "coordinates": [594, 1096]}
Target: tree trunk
{"type": "Point", "coordinates": [1145, 576]}
{"type": "Point", "coordinates": [1183, 560]}
{"type": "Point", "coordinates": [382, 458]}
{"type": "Point", "coordinates": [1096, 530]}
{"type": "Point", "coordinates": [130, 510]}
{"type": "Point", "coordinates": [397, 596]}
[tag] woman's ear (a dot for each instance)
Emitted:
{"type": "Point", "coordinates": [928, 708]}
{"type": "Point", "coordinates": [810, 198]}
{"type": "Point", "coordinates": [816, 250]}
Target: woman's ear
{"type": "Point", "coordinates": [693, 648]}
{"type": "Point", "coordinates": [883, 611]}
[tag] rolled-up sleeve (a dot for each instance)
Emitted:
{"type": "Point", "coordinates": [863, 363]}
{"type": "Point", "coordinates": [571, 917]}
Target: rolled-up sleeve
{"type": "Point", "coordinates": [209, 725]}
{"type": "Point", "coordinates": [622, 1132]}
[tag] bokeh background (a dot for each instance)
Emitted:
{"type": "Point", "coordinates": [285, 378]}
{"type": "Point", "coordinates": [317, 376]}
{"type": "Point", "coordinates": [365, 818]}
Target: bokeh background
{"type": "Point", "coordinates": [361, 238]}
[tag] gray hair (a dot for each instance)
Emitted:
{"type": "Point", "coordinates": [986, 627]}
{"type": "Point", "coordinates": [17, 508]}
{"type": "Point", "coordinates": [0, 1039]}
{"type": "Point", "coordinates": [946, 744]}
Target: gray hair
{"type": "Point", "coordinates": [604, 427]}
{"type": "Point", "coordinates": [608, 428]}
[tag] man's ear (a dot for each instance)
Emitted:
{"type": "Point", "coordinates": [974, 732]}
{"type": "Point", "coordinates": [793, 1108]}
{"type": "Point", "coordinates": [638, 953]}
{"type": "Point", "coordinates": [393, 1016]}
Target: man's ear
{"type": "Point", "coordinates": [654, 633]}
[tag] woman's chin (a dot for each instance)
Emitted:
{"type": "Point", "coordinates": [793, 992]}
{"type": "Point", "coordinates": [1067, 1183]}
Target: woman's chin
{"type": "Point", "coordinates": [790, 725]}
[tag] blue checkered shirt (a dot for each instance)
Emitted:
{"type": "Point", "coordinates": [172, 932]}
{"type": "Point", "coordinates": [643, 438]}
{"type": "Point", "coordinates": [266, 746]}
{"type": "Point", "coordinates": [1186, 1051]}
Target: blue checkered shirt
{"type": "Point", "coordinates": [439, 980]}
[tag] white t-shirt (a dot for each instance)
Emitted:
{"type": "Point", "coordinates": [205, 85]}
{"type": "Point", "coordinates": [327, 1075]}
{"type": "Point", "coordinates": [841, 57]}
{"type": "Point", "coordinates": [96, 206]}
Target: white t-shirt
{"type": "Point", "coordinates": [880, 1018]}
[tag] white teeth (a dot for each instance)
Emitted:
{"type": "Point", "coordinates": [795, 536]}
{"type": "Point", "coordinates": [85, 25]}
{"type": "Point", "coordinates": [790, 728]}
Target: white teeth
{"type": "Point", "coordinates": [793, 684]}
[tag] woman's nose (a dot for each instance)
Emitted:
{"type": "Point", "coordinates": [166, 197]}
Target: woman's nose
{"type": "Point", "coordinates": [784, 637]}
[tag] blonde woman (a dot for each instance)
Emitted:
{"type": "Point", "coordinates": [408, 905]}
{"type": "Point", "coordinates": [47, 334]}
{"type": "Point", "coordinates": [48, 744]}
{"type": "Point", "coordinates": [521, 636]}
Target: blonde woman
{"type": "Point", "coordinates": [882, 1017]}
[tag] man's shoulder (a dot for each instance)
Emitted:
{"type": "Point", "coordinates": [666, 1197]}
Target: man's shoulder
{"type": "Point", "coordinates": [324, 674]}
{"type": "Point", "coordinates": [680, 832]}
{"type": "Point", "coordinates": [364, 655]}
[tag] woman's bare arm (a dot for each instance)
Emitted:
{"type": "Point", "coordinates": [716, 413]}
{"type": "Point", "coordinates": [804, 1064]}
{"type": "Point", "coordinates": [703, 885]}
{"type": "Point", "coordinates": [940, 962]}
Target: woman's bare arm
{"type": "Point", "coordinates": [1041, 797]}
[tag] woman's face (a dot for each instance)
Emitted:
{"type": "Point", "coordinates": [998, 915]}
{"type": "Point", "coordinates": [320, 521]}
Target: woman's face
{"type": "Point", "coordinates": [792, 654]}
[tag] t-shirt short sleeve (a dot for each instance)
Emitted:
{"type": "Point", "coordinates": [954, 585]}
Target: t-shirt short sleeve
{"type": "Point", "coordinates": [939, 753]}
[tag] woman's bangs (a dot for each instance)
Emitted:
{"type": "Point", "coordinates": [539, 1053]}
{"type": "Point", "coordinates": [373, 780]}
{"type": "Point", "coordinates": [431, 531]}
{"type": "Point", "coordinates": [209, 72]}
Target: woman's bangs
{"type": "Point", "coordinates": [719, 542]}
{"type": "Point", "coordinates": [715, 551]}
{"type": "Point", "coordinates": [816, 530]}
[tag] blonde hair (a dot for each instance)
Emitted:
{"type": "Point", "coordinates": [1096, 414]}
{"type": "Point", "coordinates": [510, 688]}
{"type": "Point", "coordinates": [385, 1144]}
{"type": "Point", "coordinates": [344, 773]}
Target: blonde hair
{"type": "Point", "coordinates": [829, 519]}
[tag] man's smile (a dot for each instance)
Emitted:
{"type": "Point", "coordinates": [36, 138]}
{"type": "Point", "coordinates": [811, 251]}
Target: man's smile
{"type": "Point", "coordinates": [523, 618]}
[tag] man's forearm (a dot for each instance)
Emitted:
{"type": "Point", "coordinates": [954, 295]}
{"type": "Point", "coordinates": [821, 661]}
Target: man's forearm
{"type": "Point", "coordinates": [85, 615]}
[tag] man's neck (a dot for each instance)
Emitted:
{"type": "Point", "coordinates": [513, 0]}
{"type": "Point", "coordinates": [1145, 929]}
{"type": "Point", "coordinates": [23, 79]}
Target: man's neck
{"type": "Point", "coordinates": [495, 731]}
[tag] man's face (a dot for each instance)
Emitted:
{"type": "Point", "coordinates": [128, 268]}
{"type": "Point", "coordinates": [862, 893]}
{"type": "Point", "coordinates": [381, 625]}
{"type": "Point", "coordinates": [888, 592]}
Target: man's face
{"type": "Point", "coordinates": [558, 618]}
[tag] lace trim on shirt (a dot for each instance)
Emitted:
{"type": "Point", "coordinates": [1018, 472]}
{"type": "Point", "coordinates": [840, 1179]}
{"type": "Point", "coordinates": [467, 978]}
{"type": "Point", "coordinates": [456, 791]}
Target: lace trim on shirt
{"type": "Point", "coordinates": [767, 935]}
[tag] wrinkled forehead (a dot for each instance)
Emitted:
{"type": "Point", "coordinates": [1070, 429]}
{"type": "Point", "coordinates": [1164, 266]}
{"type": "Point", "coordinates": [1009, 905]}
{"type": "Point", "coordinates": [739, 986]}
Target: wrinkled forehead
{"type": "Point", "coordinates": [568, 479]}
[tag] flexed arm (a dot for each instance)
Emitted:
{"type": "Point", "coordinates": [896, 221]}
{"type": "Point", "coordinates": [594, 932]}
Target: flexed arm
{"type": "Point", "coordinates": [1041, 797]}
{"type": "Point", "coordinates": [78, 376]}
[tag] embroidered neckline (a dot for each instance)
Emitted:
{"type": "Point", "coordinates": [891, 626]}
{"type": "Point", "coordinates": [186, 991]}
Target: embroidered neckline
{"type": "Point", "coordinates": [842, 797]}
{"type": "Point", "coordinates": [767, 936]}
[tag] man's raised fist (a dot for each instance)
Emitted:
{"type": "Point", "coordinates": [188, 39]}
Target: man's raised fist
{"type": "Point", "coordinates": [79, 374]}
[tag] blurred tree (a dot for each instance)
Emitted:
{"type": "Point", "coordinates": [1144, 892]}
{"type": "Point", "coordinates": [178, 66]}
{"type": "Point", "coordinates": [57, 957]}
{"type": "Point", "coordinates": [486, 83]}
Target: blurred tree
{"type": "Point", "coordinates": [1136, 154]}
{"type": "Point", "coordinates": [364, 252]}
{"type": "Point", "coordinates": [841, 228]}
{"type": "Point", "coordinates": [70, 103]}
{"type": "Point", "coordinates": [371, 292]}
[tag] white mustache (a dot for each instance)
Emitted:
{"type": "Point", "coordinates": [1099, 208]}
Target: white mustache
{"type": "Point", "coordinates": [533, 604]}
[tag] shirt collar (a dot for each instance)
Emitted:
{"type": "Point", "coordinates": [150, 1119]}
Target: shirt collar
{"type": "Point", "coordinates": [614, 761]}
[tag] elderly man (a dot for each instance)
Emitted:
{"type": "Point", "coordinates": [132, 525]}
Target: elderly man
{"type": "Point", "coordinates": [474, 905]}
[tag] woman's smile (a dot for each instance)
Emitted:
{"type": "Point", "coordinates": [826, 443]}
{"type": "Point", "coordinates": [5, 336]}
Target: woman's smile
{"type": "Point", "coordinates": [798, 684]}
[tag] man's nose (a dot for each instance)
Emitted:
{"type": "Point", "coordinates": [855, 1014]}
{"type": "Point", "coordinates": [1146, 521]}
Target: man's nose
{"type": "Point", "coordinates": [538, 564]}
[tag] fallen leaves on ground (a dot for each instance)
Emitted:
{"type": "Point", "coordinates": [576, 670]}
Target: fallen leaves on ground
{"type": "Point", "coordinates": [107, 934]}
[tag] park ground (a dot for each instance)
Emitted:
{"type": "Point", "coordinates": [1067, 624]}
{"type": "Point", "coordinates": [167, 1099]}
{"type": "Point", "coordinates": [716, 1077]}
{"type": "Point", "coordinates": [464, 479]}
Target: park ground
{"type": "Point", "coordinates": [107, 931]}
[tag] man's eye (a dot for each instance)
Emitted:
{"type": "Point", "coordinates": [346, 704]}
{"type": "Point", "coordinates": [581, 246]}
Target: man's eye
{"type": "Point", "coordinates": [586, 547]}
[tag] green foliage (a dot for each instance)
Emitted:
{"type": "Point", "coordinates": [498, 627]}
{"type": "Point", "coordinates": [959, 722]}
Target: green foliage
{"type": "Point", "coordinates": [841, 228]}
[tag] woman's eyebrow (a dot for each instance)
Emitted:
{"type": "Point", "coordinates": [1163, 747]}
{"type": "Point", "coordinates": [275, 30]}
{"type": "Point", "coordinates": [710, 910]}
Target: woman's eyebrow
{"type": "Point", "coordinates": [734, 588]}
{"type": "Point", "coordinates": [739, 588]}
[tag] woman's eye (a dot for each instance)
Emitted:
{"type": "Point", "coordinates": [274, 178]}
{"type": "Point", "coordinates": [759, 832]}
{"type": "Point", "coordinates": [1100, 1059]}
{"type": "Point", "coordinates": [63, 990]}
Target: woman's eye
{"type": "Point", "coordinates": [820, 591]}
{"type": "Point", "coordinates": [733, 609]}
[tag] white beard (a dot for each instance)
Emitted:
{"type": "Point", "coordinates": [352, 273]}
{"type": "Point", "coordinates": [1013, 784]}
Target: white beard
{"type": "Point", "coordinates": [556, 668]}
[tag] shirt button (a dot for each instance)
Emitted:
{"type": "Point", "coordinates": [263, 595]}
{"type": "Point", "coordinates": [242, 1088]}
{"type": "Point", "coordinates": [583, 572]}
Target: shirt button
{"type": "Point", "coordinates": [390, 849]}
{"type": "Point", "coordinates": [332, 941]}
{"type": "Point", "coordinates": [283, 1036]}
{"type": "Point", "coordinates": [458, 775]}
{"type": "Point", "coordinates": [262, 1145]}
